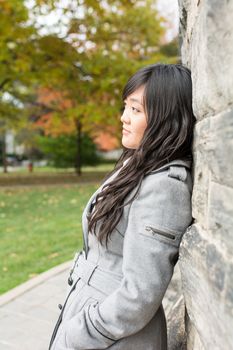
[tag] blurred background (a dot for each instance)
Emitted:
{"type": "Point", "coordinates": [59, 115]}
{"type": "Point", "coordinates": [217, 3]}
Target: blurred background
{"type": "Point", "coordinates": [63, 65]}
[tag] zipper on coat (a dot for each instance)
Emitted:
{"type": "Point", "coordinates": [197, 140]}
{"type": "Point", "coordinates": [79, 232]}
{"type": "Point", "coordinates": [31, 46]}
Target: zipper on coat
{"type": "Point", "coordinates": [60, 317]}
{"type": "Point", "coordinates": [159, 232]}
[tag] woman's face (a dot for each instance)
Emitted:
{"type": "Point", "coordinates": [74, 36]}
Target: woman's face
{"type": "Point", "coordinates": [133, 119]}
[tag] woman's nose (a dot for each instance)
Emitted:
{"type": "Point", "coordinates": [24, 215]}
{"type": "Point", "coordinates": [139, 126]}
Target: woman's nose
{"type": "Point", "coordinates": [125, 116]}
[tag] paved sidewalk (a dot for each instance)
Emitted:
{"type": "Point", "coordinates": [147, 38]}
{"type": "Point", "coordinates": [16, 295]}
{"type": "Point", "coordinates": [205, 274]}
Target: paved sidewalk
{"type": "Point", "coordinates": [28, 313]}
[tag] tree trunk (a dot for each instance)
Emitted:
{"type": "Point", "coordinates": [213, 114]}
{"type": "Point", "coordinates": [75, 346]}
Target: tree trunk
{"type": "Point", "coordinates": [78, 162]}
{"type": "Point", "coordinates": [4, 160]}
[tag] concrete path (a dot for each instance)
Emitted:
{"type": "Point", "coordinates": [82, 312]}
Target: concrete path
{"type": "Point", "coordinates": [28, 313]}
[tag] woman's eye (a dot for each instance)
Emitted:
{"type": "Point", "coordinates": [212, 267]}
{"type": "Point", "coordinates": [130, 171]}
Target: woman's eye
{"type": "Point", "coordinates": [135, 110]}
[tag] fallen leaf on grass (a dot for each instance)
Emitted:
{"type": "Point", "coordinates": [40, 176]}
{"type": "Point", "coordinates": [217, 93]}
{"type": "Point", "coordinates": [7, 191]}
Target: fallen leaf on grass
{"type": "Point", "coordinates": [53, 200]}
{"type": "Point", "coordinates": [73, 201]}
{"type": "Point", "coordinates": [53, 255]}
{"type": "Point", "coordinates": [38, 219]}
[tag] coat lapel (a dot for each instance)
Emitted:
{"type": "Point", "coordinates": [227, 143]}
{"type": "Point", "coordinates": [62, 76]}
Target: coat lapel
{"type": "Point", "coordinates": [87, 208]}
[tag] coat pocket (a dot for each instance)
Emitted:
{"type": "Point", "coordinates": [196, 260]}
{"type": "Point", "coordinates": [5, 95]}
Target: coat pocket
{"type": "Point", "coordinates": [88, 301]}
{"type": "Point", "coordinates": [162, 234]}
{"type": "Point", "coordinates": [81, 298]}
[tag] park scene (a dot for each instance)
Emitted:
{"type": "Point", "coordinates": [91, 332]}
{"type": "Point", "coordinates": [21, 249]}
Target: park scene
{"type": "Point", "coordinates": [63, 65]}
{"type": "Point", "coordinates": [60, 117]}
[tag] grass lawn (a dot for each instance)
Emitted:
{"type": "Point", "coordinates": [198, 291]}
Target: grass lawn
{"type": "Point", "coordinates": [51, 170]}
{"type": "Point", "coordinates": [40, 227]}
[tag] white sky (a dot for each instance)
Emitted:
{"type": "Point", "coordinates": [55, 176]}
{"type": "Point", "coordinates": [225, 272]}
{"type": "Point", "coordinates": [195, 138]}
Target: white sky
{"type": "Point", "coordinates": [54, 22]}
{"type": "Point", "coordinates": [170, 10]}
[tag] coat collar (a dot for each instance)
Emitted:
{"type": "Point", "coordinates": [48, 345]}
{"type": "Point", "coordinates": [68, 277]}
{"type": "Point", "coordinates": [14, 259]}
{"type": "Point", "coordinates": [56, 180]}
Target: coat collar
{"type": "Point", "coordinates": [180, 162]}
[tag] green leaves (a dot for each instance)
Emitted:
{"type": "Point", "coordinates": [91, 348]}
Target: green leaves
{"type": "Point", "coordinates": [61, 150]}
{"type": "Point", "coordinates": [85, 69]}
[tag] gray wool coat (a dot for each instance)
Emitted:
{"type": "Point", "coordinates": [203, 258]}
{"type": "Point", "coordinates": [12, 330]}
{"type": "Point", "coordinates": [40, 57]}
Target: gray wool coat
{"type": "Point", "coordinates": [115, 299]}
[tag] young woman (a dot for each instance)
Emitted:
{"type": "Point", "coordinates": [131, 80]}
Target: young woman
{"type": "Point", "coordinates": [133, 224]}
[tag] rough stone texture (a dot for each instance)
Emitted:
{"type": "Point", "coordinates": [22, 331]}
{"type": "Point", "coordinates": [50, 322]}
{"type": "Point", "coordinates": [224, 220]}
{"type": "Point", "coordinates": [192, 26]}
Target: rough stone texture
{"type": "Point", "coordinates": [201, 171]}
{"type": "Point", "coordinates": [173, 303]}
{"type": "Point", "coordinates": [207, 36]}
{"type": "Point", "coordinates": [206, 273]}
{"type": "Point", "coordinates": [206, 259]}
{"type": "Point", "coordinates": [177, 337]}
{"type": "Point", "coordinates": [192, 336]}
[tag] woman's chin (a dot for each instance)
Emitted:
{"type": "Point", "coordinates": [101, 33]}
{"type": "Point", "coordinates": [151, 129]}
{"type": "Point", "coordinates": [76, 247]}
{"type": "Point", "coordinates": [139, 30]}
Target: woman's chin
{"type": "Point", "coordinates": [127, 144]}
{"type": "Point", "coordinates": [124, 142]}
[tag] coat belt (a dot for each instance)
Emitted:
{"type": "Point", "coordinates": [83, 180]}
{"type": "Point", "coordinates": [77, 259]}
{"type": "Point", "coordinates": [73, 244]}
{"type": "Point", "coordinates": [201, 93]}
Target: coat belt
{"type": "Point", "coordinates": [93, 275]}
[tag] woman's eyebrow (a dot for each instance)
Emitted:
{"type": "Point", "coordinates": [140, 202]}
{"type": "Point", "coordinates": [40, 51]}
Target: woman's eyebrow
{"type": "Point", "coordinates": [136, 100]}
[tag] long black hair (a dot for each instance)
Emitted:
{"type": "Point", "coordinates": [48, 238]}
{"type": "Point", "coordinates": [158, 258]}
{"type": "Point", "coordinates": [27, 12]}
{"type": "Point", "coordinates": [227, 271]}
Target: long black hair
{"type": "Point", "coordinates": [168, 136]}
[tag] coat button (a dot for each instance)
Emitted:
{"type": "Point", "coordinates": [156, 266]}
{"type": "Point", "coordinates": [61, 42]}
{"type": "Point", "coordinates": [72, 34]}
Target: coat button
{"type": "Point", "coordinates": [60, 306]}
{"type": "Point", "coordinates": [70, 281]}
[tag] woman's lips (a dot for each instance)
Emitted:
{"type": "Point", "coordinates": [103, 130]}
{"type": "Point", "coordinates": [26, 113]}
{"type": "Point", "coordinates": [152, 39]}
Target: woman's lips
{"type": "Point", "coordinates": [124, 131]}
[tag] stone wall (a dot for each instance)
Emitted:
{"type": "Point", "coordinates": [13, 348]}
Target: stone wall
{"type": "Point", "coordinates": [206, 251]}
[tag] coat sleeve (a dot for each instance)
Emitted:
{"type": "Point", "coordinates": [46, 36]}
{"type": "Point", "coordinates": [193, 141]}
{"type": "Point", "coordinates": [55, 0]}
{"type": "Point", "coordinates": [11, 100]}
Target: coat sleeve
{"type": "Point", "coordinates": [157, 219]}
